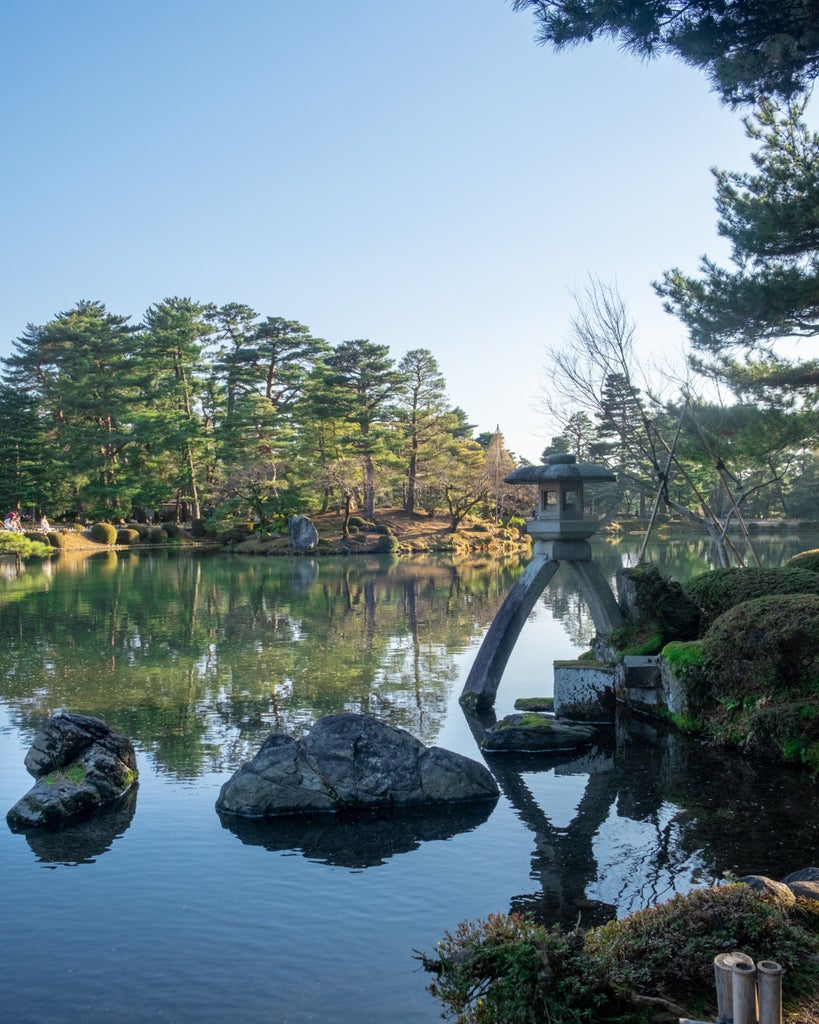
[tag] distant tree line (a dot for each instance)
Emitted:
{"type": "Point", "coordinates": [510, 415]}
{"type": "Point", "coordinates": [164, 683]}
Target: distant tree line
{"type": "Point", "coordinates": [218, 410]}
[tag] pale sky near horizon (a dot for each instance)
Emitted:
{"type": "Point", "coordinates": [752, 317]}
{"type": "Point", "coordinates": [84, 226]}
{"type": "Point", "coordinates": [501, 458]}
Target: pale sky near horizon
{"type": "Point", "coordinates": [422, 175]}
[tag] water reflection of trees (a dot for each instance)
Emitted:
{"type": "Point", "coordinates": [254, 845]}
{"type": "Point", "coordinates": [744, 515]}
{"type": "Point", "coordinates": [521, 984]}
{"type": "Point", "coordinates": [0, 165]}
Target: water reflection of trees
{"type": "Point", "coordinates": [197, 658]}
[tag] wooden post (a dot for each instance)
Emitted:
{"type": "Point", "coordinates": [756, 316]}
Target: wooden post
{"type": "Point", "coordinates": [723, 975]}
{"type": "Point", "coordinates": [769, 986]}
{"type": "Point", "coordinates": [743, 992]}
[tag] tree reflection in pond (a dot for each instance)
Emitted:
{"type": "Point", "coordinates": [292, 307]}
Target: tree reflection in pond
{"type": "Point", "coordinates": [198, 658]}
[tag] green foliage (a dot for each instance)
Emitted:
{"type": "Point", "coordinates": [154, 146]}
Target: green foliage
{"type": "Point", "coordinates": [769, 217]}
{"type": "Point", "coordinates": [357, 523]}
{"type": "Point", "coordinates": [507, 970]}
{"type": "Point", "coordinates": [157, 535]}
{"type": "Point", "coordinates": [516, 523]}
{"type": "Point", "coordinates": [634, 639]}
{"type": "Point", "coordinates": [682, 656]}
{"type": "Point", "coordinates": [805, 560]}
{"type": "Point", "coordinates": [717, 591]}
{"type": "Point", "coordinates": [747, 49]}
{"type": "Point", "coordinates": [72, 773]}
{"type": "Point", "coordinates": [127, 536]}
{"type": "Point", "coordinates": [104, 533]}
{"type": "Point", "coordinates": [22, 547]}
{"type": "Point", "coordinates": [386, 544]}
{"type": "Point", "coordinates": [671, 948]}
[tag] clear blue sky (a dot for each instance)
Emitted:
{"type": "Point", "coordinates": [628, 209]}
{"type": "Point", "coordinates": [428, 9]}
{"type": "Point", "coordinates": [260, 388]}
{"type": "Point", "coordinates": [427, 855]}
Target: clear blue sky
{"type": "Point", "coordinates": [419, 174]}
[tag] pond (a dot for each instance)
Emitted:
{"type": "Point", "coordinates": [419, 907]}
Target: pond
{"type": "Point", "coordinates": [158, 912]}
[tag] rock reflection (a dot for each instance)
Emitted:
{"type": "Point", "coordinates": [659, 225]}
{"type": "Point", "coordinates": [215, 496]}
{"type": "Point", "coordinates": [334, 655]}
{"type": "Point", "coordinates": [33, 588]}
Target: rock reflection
{"type": "Point", "coordinates": [362, 840]}
{"type": "Point", "coordinates": [84, 842]}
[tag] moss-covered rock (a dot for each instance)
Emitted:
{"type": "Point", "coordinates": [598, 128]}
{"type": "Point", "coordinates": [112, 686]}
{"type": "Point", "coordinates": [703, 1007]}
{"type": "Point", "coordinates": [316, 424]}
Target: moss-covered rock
{"type": "Point", "coordinates": [718, 591]}
{"type": "Point", "coordinates": [762, 671]}
{"type": "Point", "coordinates": [658, 604]}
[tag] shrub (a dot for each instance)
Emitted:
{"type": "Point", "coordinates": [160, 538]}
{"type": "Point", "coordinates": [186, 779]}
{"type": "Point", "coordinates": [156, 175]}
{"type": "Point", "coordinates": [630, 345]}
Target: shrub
{"type": "Point", "coordinates": [516, 523]}
{"type": "Point", "coordinates": [127, 536]}
{"type": "Point", "coordinates": [805, 560]}
{"type": "Point", "coordinates": [765, 645]}
{"type": "Point", "coordinates": [383, 529]}
{"type": "Point", "coordinates": [718, 591]}
{"type": "Point", "coordinates": [104, 533]}
{"type": "Point", "coordinates": [671, 948]}
{"type": "Point", "coordinates": [386, 544]}
{"type": "Point", "coordinates": [56, 540]}
{"type": "Point", "coordinates": [157, 535]}
{"type": "Point", "coordinates": [507, 968]}
{"type": "Point", "coordinates": [171, 529]}
{"type": "Point", "coordinates": [360, 524]}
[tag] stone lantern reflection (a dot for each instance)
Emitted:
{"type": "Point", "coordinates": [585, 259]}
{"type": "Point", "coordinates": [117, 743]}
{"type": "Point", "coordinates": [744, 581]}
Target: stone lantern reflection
{"type": "Point", "coordinates": [559, 530]}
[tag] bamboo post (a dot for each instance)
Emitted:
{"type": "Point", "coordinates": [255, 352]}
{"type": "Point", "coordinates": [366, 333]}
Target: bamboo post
{"type": "Point", "coordinates": [724, 977]}
{"type": "Point", "coordinates": [743, 992]}
{"type": "Point", "coordinates": [769, 987]}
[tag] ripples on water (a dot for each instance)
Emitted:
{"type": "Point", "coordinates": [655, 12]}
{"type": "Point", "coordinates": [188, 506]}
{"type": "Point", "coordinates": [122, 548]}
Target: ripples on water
{"type": "Point", "coordinates": [158, 911]}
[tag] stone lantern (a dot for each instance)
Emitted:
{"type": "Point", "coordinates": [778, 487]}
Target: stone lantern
{"type": "Point", "coordinates": [559, 530]}
{"type": "Point", "coordinates": [559, 527]}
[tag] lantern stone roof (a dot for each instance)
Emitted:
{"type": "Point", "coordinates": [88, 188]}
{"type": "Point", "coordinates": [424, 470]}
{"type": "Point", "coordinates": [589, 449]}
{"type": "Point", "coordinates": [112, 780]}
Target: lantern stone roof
{"type": "Point", "coordinates": [560, 466]}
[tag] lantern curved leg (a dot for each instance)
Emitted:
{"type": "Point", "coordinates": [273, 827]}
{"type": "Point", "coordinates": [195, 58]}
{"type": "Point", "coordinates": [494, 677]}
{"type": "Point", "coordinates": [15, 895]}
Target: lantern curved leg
{"type": "Point", "coordinates": [485, 675]}
{"type": "Point", "coordinates": [605, 611]}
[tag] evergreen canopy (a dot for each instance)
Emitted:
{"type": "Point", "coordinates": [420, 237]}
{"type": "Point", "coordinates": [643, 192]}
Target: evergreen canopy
{"type": "Point", "coordinates": [748, 48]}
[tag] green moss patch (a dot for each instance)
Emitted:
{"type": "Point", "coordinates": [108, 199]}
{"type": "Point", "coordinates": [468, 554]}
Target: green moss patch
{"type": "Point", "coordinates": [72, 773]}
{"type": "Point", "coordinates": [718, 591]}
{"type": "Point", "coordinates": [535, 704]}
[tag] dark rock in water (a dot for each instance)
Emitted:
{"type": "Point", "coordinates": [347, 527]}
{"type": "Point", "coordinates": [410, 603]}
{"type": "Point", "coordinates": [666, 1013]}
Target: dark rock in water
{"type": "Point", "coordinates": [350, 762]}
{"type": "Point", "coordinates": [535, 732]}
{"type": "Point", "coordinates": [80, 765]}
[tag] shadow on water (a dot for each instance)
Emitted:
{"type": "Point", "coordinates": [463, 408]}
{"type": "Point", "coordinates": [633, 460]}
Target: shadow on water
{"type": "Point", "coordinates": [85, 841]}
{"type": "Point", "coordinates": [359, 841]}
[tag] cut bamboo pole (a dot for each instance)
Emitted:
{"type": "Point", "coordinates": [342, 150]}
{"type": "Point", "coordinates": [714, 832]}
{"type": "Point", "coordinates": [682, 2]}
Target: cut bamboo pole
{"type": "Point", "coordinates": [743, 993]}
{"type": "Point", "coordinates": [769, 988]}
{"type": "Point", "coordinates": [724, 977]}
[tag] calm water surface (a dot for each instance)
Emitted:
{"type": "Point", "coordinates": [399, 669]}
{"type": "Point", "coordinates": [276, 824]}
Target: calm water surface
{"type": "Point", "coordinates": [158, 912]}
